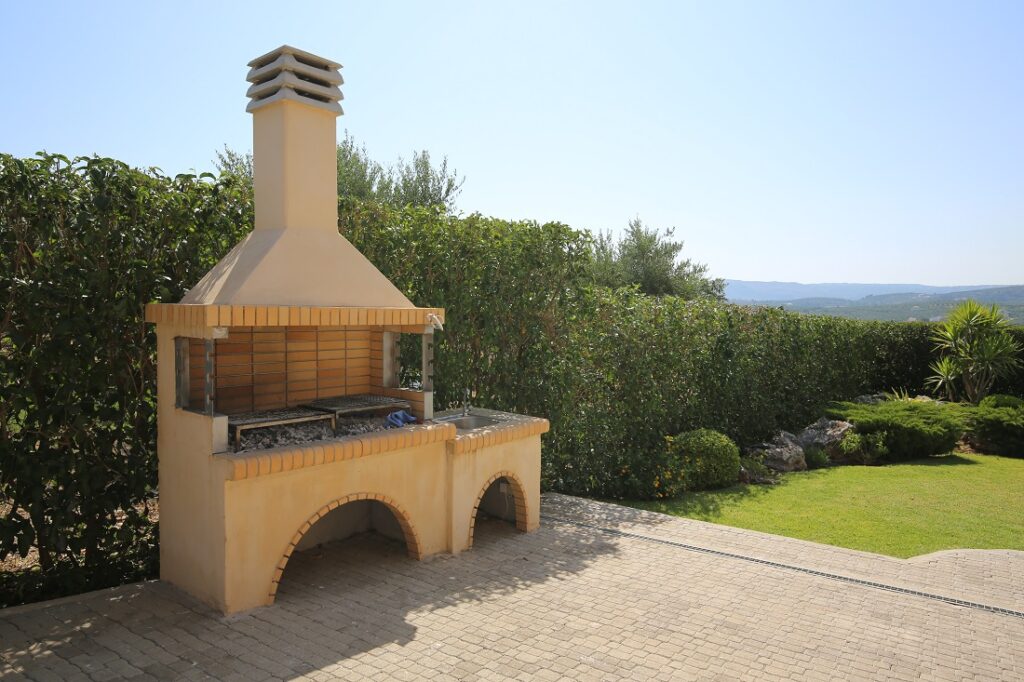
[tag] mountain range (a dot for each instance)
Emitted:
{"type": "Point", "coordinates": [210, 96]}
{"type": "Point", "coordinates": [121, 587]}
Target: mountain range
{"type": "Point", "coordinates": [875, 301]}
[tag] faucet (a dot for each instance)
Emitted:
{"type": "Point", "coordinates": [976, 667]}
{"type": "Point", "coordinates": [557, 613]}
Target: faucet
{"type": "Point", "coordinates": [465, 403]}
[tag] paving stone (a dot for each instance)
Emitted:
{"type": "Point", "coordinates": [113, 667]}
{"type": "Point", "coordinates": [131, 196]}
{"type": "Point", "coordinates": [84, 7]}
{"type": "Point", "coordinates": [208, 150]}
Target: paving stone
{"type": "Point", "coordinates": [566, 602]}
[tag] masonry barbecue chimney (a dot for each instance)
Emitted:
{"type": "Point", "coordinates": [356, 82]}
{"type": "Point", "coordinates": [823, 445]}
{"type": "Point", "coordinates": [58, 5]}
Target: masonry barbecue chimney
{"type": "Point", "coordinates": [294, 103]}
{"type": "Point", "coordinates": [295, 256]}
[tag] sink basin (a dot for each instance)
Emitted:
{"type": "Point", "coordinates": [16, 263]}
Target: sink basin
{"type": "Point", "coordinates": [473, 421]}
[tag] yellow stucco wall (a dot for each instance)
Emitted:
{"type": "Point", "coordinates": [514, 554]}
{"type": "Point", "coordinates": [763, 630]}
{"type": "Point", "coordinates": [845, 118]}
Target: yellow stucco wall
{"type": "Point", "coordinates": [265, 515]}
{"type": "Point", "coordinates": [472, 472]}
{"type": "Point", "coordinates": [191, 486]}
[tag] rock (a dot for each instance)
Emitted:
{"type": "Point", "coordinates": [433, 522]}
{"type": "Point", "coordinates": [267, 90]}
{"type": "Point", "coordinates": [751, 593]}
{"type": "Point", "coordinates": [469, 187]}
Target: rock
{"type": "Point", "coordinates": [782, 453]}
{"type": "Point", "coordinates": [825, 434]}
{"type": "Point", "coordinates": [870, 398]}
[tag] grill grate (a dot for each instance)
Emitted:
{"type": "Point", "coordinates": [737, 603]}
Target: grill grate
{"type": "Point", "coordinates": [354, 404]}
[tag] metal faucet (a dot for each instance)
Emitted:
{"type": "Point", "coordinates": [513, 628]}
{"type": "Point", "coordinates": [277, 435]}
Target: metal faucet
{"type": "Point", "coordinates": [465, 403]}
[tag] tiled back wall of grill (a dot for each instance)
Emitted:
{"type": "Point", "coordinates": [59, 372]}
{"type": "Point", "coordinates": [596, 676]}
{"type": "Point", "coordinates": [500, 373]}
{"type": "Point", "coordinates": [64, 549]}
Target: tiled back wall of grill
{"type": "Point", "coordinates": [264, 368]}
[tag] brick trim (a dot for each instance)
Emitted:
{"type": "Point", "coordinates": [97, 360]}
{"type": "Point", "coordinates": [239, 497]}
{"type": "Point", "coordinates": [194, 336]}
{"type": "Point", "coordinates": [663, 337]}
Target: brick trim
{"type": "Point", "coordinates": [518, 494]}
{"type": "Point", "coordinates": [211, 315]}
{"type": "Point", "coordinates": [521, 427]}
{"type": "Point", "coordinates": [412, 541]}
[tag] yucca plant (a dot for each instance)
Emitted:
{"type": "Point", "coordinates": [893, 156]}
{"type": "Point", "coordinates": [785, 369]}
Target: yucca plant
{"type": "Point", "coordinates": [975, 349]}
{"type": "Point", "coordinates": [946, 379]}
{"type": "Point", "coordinates": [899, 394]}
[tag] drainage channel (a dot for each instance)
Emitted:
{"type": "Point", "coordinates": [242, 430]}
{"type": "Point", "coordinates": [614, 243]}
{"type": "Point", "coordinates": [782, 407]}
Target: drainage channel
{"type": "Point", "coordinates": [790, 567]}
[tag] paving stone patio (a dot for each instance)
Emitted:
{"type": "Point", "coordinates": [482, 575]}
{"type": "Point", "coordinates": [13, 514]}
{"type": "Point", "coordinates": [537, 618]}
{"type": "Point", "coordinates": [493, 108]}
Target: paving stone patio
{"type": "Point", "coordinates": [600, 592]}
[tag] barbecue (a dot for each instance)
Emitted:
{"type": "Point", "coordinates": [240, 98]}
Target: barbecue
{"type": "Point", "coordinates": [279, 386]}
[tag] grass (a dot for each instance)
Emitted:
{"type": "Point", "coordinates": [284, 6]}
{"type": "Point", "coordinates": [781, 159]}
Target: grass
{"type": "Point", "coordinates": [903, 510]}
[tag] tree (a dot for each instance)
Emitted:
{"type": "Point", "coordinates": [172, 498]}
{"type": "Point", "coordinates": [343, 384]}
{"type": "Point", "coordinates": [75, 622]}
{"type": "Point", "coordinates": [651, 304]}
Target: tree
{"type": "Point", "coordinates": [415, 183]}
{"type": "Point", "coordinates": [975, 348]}
{"type": "Point", "coordinates": [419, 183]}
{"type": "Point", "coordinates": [230, 162]}
{"type": "Point", "coordinates": [651, 261]}
{"type": "Point", "coordinates": [359, 176]}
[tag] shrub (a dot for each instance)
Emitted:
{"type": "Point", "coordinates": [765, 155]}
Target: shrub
{"type": "Point", "coordinates": [912, 429]}
{"type": "Point", "coordinates": [706, 458]}
{"type": "Point", "coordinates": [1001, 400]}
{"type": "Point", "coordinates": [997, 430]}
{"type": "Point", "coordinates": [816, 458]}
{"type": "Point", "coordinates": [868, 448]}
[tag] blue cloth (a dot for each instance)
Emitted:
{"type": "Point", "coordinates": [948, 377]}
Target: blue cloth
{"type": "Point", "coordinates": [400, 418]}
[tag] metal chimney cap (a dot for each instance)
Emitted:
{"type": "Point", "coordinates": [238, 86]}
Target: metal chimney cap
{"type": "Point", "coordinates": [313, 59]}
{"type": "Point", "coordinates": [297, 75]}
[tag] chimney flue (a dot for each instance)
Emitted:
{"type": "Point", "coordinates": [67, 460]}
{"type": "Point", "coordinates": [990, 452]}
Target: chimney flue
{"type": "Point", "coordinates": [294, 102]}
{"type": "Point", "coordinates": [295, 256]}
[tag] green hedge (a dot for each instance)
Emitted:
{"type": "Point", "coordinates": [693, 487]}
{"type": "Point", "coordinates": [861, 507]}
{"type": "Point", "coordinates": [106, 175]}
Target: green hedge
{"type": "Point", "coordinates": [84, 244]}
{"type": "Point", "coordinates": [510, 290]}
{"type": "Point", "coordinates": [640, 368]}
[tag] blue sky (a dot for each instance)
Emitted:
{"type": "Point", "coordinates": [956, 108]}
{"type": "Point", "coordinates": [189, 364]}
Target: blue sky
{"type": "Point", "coordinates": [817, 141]}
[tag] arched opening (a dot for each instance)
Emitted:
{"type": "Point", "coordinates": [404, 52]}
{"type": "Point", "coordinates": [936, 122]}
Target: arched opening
{"type": "Point", "coordinates": [368, 525]}
{"type": "Point", "coordinates": [500, 508]}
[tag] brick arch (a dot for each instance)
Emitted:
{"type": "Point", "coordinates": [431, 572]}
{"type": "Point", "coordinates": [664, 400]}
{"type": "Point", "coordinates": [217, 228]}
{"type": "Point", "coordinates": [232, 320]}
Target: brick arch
{"type": "Point", "coordinates": [518, 494]}
{"type": "Point", "coordinates": [412, 542]}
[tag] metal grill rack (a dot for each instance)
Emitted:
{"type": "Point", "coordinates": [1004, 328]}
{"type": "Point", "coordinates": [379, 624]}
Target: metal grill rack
{"type": "Point", "coordinates": [239, 423]}
{"type": "Point", "coordinates": [358, 404]}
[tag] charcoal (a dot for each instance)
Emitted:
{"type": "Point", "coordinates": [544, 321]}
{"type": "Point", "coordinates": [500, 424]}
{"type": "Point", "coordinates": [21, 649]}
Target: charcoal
{"type": "Point", "coordinates": [296, 434]}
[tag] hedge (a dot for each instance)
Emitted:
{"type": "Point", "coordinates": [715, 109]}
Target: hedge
{"type": "Point", "coordinates": [640, 368]}
{"type": "Point", "coordinates": [85, 243]}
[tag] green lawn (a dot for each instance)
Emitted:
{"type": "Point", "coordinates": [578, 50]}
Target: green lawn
{"type": "Point", "coordinates": [956, 501]}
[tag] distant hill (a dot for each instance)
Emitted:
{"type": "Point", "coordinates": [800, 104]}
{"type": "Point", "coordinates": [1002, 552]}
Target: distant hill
{"type": "Point", "coordinates": [914, 302]}
{"type": "Point", "coordinates": [744, 290]}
